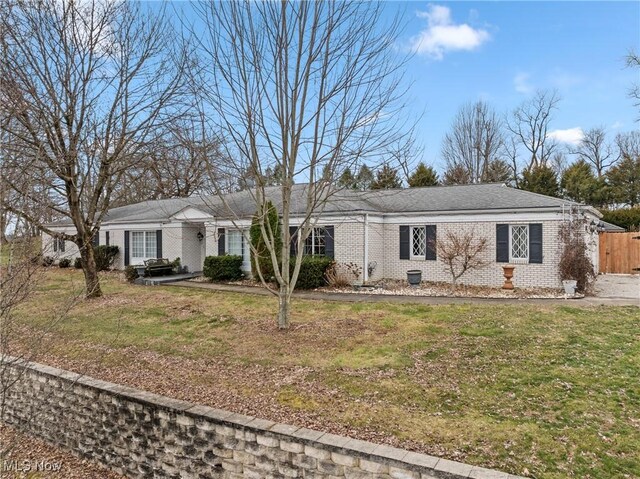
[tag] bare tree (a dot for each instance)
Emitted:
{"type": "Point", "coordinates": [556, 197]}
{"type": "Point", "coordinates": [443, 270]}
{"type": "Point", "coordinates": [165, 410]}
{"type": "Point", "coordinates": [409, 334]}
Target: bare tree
{"type": "Point", "coordinates": [529, 123]}
{"type": "Point", "coordinates": [87, 84]}
{"type": "Point", "coordinates": [308, 88]}
{"type": "Point", "coordinates": [461, 251]}
{"type": "Point", "coordinates": [632, 60]}
{"type": "Point", "coordinates": [594, 149]}
{"type": "Point", "coordinates": [174, 164]}
{"type": "Point", "coordinates": [474, 142]}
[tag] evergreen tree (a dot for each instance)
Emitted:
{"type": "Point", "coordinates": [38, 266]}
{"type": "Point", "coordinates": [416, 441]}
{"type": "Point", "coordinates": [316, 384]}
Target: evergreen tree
{"type": "Point", "coordinates": [624, 179]}
{"type": "Point", "coordinates": [348, 180]}
{"type": "Point", "coordinates": [260, 257]}
{"type": "Point", "coordinates": [423, 176]}
{"type": "Point", "coordinates": [386, 178]}
{"type": "Point", "coordinates": [540, 179]}
{"type": "Point", "coordinates": [456, 174]}
{"type": "Point", "coordinates": [497, 171]}
{"type": "Point", "coordinates": [580, 184]}
{"type": "Point", "coordinates": [364, 178]}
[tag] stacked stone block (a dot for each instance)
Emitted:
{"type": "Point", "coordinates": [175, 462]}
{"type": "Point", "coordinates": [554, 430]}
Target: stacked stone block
{"type": "Point", "coordinates": [141, 435]}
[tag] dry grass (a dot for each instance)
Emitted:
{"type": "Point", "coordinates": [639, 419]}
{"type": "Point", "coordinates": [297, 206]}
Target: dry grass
{"type": "Point", "coordinates": [545, 391]}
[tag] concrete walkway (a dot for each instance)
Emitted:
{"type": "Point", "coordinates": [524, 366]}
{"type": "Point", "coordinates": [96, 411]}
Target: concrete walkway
{"type": "Point", "coordinates": [387, 298]}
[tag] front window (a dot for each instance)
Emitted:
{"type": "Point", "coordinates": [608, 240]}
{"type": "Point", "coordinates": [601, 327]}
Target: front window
{"type": "Point", "coordinates": [419, 241]}
{"type": "Point", "coordinates": [235, 243]}
{"type": "Point", "coordinates": [519, 242]}
{"type": "Point", "coordinates": [314, 245]}
{"type": "Point", "coordinates": [58, 245]}
{"type": "Point", "coordinates": [143, 244]}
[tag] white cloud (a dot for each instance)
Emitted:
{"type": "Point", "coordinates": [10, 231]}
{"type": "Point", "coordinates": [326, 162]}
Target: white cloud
{"type": "Point", "coordinates": [442, 35]}
{"type": "Point", "coordinates": [573, 136]}
{"type": "Point", "coordinates": [522, 83]}
{"type": "Point", "coordinates": [617, 125]}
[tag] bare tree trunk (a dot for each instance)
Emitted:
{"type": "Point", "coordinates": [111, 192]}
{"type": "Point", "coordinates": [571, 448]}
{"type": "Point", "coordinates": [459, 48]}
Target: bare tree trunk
{"type": "Point", "coordinates": [284, 306]}
{"type": "Point", "coordinates": [92, 282]}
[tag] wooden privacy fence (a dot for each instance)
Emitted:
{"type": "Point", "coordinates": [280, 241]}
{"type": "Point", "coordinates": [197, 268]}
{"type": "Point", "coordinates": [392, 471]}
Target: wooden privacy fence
{"type": "Point", "coordinates": [620, 253]}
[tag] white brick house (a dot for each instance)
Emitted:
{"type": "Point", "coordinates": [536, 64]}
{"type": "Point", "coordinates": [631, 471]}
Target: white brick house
{"type": "Point", "coordinates": [385, 232]}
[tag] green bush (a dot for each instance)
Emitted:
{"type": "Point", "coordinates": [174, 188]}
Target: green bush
{"type": "Point", "coordinates": [105, 256]}
{"type": "Point", "coordinates": [130, 273]}
{"type": "Point", "coordinates": [77, 263]}
{"type": "Point", "coordinates": [628, 218]}
{"type": "Point", "coordinates": [223, 268]}
{"type": "Point", "coordinates": [260, 256]}
{"type": "Point", "coordinates": [47, 261]}
{"type": "Point", "coordinates": [312, 271]}
{"type": "Point", "coordinates": [64, 263]}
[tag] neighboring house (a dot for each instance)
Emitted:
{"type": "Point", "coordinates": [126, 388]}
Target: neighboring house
{"type": "Point", "coordinates": [386, 232]}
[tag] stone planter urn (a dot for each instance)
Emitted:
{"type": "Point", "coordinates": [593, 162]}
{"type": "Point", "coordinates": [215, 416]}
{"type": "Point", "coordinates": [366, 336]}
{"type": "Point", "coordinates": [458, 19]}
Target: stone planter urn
{"type": "Point", "coordinates": [569, 287]}
{"type": "Point", "coordinates": [141, 270]}
{"type": "Point", "coordinates": [508, 274]}
{"type": "Point", "coordinates": [414, 277]}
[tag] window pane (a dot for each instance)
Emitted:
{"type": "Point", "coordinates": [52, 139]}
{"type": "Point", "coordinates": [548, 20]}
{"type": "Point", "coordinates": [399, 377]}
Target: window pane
{"type": "Point", "coordinates": [419, 241]}
{"type": "Point", "coordinates": [137, 244]}
{"type": "Point", "coordinates": [519, 242]}
{"type": "Point", "coordinates": [150, 243]}
{"type": "Point", "coordinates": [235, 243]}
{"type": "Point", "coordinates": [318, 241]}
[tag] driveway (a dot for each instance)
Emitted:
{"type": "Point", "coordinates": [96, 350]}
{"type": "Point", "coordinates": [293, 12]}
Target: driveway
{"type": "Point", "coordinates": [618, 287]}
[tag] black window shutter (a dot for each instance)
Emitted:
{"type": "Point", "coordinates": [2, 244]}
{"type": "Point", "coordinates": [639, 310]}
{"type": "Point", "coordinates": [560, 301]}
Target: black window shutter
{"type": "Point", "coordinates": [126, 248]}
{"type": "Point", "coordinates": [158, 243]}
{"type": "Point", "coordinates": [55, 244]}
{"type": "Point", "coordinates": [502, 243]}
{"type": "Point", "coordinates": [329, 248]}
{"type": "Point", "coordinates": [106, 238]}
{"type": "Point", "coordinates": [95, 241]}
{"type": "Point", "coordinates": [63, 244]}
{"type": "Point", "coordinates": [293, 233]}
{"type": "Point", "coordinates": [431, 242]}
{"type": "Point", "coordinates": [404, 242]}
{"type": "Point", "coordinates": [535, 243]}
{"type": "Point", "coordinates": [221, 250]}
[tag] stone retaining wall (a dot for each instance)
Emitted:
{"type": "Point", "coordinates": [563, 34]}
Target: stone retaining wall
{"type": "Point", "coordinates": [140, 434]}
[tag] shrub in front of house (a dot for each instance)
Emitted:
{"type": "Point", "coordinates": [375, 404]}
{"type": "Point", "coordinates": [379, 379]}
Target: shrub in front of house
{"type": "Point", "coordinates": [77, 263]}
{"type": "Point", "coordinates": [313, 271]}
{"type": "Point", "coordinates": [223, 268]}
{"type": "Point", "coordinates": [130, 273]}
{"type": "Point", "coordinates": [64, 263]}
{"type": "Point", "coordinates": [47, 261]}
{"type": "Point", "coordinates": [105, 256]}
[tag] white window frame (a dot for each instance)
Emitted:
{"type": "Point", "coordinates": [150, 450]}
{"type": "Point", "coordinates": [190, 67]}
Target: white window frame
{"type": "Point", "coordinates": [423, 255]}
{"type": "Point", "coordinates": [313, 242]}
{"type": "Point", "coordinates": [146, 255]}
{"type": "Point", "coordinates": [246, 257]}
{"type": "Point", "coordinates": [228, 237]}
{"type": "Point", "coordinates": [518, 260]}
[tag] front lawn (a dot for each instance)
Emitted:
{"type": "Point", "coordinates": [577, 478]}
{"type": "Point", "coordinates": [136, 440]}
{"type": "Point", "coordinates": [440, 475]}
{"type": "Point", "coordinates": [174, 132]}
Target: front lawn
{"type": "Point", "coordinates": [543, 391]}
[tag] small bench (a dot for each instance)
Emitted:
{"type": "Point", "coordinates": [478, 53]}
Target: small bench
{"type": "Point", "coordinates": [158, 266]}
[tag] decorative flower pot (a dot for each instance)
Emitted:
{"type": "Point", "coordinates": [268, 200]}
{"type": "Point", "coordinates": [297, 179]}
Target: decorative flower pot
{"type": "Point", "coordinates": [508, 274]}
{"type": "Point", "coordinates": [414, 277]}
{"type": "Point", "coordinates": [570, 286]}
{"type": "Point", "coordinates": [141, 270]}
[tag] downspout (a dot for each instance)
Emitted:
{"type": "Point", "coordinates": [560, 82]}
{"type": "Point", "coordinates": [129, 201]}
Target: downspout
{"type": "Point", "coordinates": [365, 266]}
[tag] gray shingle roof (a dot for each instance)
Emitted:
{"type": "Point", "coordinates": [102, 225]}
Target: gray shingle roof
{"type": "Point", "coordinates": [434, 199]}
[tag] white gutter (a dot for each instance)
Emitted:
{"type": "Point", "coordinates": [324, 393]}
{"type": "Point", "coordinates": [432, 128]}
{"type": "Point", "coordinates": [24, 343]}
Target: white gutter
{"type": "Point", "coordinates": [365, 269]}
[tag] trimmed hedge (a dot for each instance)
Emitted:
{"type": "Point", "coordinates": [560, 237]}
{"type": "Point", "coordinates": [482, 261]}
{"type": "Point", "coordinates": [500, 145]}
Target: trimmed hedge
{"type": "Point", "coordinates": [223, 268]}
{"type": "Point", "coordinates": [77, 263]}
{"type": "Point", "coordinates": [628, 218]}
{"type": "Point", "coordinates": [64, 263]}
{"type": "Point", "coordinates": [312, 271]}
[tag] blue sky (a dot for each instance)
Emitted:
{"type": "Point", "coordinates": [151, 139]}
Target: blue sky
{"type": "Point", "coordinates": [502, 51]}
